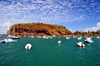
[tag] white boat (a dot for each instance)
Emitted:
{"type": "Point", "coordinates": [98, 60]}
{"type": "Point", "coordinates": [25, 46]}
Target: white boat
{"type": "Point", "coordinates": [44, 36]}
{"type": "Point", "coordinates": [24, 36]}
{"type": "Point", "coordinates": [8, 40]}
{"type": "Point", "coordinates": [39, 36]}
{"type": "Point", "coordinates": [32, 36]}
{"type": "Point", "coordinates": [47, 37]}
{"type": "Point", "coordinates": [79, 38]}
{"type": "Point", "coordinates": [67, 37]}
{"type": "Point", "coordinates": [88, 40]}
{"type": "Point", "coordinates": [98, 37]}
{"type": "Point", "coordinates": [74, 37]}
{"type": "Point", "coordinates": [28, 46]}
{"type": "Point", "coordinates": [80, 44]}
{"type": "Point", "coordinates": [53, 35]}
{"type": "Point", "coordinates": [59, 42]}
{"type": "Point", "coordinates": [15, 37]}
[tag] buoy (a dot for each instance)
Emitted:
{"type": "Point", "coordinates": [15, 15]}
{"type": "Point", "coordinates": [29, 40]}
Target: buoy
{"type": "Point", "coordinates": [28, 46]}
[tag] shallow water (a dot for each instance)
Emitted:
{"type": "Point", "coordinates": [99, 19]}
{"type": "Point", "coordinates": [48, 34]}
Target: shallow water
{"type": "Point", "coordinates": [47, 52]}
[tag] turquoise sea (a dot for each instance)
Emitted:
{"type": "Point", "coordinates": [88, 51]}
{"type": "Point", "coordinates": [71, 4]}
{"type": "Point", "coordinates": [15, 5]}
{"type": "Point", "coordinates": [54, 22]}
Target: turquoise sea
{"type": "Point", "coordinates": [47, 52]}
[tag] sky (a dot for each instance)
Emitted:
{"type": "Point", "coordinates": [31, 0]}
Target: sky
{"type": "Point", "coordinates": [81, 15]}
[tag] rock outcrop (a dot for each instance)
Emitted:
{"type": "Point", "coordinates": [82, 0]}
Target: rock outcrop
{"type": "Point", "coordinates": [37, 29]}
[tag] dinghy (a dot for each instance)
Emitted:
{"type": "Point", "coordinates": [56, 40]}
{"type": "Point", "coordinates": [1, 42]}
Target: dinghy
{"type": "Point", "coordinates": [28, 46]}
{"type": "Point", "coordinates": [59, 42]}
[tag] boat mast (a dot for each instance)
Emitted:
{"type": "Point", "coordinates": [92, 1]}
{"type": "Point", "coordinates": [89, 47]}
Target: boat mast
{"type": "Point", "coordinates": [8, 29]}
{"type": "Point", "coordinates": [17, 29]}
{"type": "Point", "coordinates": [14, 31]}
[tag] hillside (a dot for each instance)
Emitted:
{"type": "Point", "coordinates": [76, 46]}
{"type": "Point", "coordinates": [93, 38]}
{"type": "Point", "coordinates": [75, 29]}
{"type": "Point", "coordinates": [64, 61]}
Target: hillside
{"type": "Point", "coordinates": [37, 29]}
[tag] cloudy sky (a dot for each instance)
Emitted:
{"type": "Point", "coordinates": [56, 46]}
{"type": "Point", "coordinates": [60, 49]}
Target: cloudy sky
{"type": "Point", "coordinates": [81, 15]}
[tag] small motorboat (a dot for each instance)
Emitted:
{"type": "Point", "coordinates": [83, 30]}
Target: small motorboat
{"type": "Point", "coordinates": [80, 44]}
{"type": "Point", "coordinates": [44, 36]}
{"type": "Point", "coordinates": [98, 37]}
{"type": "Point", "coordinates": [8, 40]}
{"type": "Point", "coordinates": [53, 35]}
{"type": "Point", "coordinates": [67, 37]}
{"type": "Point", "coordinates": [24, 36]}
{"type": "Point", "coordinates": [88, 40]}
{"type": "Point", "coordinates": [32, 36]}
{"type": "Point", "coordinates": [28, 46]}
{"type": "Point", "coordinates": [79, 38]}
{"type": "Point", "coordinates": [47, 37]}
{"type": "Point", "coordinates": [59, 42]}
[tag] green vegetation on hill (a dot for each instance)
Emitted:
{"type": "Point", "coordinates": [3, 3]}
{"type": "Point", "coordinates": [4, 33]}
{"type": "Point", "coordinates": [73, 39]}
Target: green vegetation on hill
{"type": "Point", "coordinates": [89, 33]}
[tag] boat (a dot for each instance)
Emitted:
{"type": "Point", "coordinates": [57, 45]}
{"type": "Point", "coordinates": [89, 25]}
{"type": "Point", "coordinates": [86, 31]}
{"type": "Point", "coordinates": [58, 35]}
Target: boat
{"type": "Point", "coordinates": [24, 36]}
{"type": "Point", "coordinates": [28, 46]}
{"type": "Point", "coordinates": [39, 36]}
{"type": "Point", "coordinates": [32, 36]}
{"type": "Point", "coordinates": [80, 44]}
{"type": "Point", "coordinates": [15, 37]}
{"type": "Point", "coordinates": [79, 38]}
{"type": "Point", "coordinates": [88, 40]}
{"type": "Point", "coordinates": [59, 42]}
{"type": "Point", "coordinates": [98, 37]}
{"type": "Point", "coordinates": [47, 37]}
{"type": "Point", "coordinates": [74, 37]}
{"type": "Point", "coordinates": [8, 40]}
{"type": "Point", "coordinates": [53, 35]}
{"type": "Point", "coordinates": [44, 36]}
{"type": "Point", "coordinates": [67, 37]}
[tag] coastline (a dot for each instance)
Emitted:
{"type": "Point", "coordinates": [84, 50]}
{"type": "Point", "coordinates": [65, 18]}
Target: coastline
{"type": "Point", "coordinates": [57, 36]}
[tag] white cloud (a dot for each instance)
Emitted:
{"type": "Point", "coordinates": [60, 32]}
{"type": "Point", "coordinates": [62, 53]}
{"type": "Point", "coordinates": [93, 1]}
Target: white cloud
{"type": "Point", "coordinates": [93, 28]}
{"type": "Point", "coordinates": [47, 11]}
{"type": "Point", "coordinates": [3, 30]}
{"type": "Point", "coordinates": [78, 18]}
{"type": "Point", "coordinates": [4, 27]}
{"type": "Point", "coordinates": [5, 24]}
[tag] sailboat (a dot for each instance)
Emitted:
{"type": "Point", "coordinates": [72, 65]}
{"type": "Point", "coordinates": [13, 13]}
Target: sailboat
{"type": "Point", "coordinates": [15, 37]}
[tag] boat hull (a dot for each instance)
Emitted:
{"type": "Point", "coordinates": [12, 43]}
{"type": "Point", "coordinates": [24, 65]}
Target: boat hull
{"type": "Point", "coordinates": [88, 42]}
{"type": "Point", "coordinates": [11, 41]}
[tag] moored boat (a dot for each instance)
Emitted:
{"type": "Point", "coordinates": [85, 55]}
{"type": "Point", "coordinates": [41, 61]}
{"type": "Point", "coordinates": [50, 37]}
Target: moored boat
{"type": "Point", "coordinates": [8, 40]}
{"type": "Point", "coordinates": [28, 46]}
{"type": "Point", "coordinates": [79, 38]}
{"type": "Point", "coordinates": [15, 37]}
{"type": "Point", "coordinates": [88, 40]}
{"type": "Point", "coordinates": [67, 37]}
{"type": "Point", "coordinates": [80, 44]}
{"type": "Point", "coordinates": [59, 42]}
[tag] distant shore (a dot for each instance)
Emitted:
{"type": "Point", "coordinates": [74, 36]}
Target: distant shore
{"type": "Point", "coordinates": [63, 35]}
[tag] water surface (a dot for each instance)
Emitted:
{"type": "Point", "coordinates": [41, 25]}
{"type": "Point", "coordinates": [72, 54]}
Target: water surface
{"type": "Point", "coordinates": [47, 52]}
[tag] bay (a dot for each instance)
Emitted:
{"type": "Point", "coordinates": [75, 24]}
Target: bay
{"type": "Point", "coordinates": [47, 52]}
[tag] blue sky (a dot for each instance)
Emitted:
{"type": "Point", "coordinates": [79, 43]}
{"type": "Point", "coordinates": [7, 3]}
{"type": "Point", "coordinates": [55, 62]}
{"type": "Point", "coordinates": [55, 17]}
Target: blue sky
{"type": "Point", "coordinates": [81, 15]}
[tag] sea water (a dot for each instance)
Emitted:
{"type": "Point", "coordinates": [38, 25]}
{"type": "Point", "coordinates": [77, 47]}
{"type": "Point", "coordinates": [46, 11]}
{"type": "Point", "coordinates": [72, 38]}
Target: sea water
{"type": "Point", "coordinates": [47, 52]}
